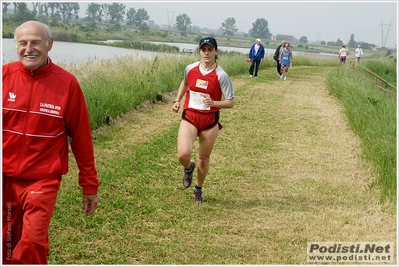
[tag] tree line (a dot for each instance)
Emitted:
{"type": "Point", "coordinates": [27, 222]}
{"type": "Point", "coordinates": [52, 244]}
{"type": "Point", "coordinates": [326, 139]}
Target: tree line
{"type": "Point", "coordinates": [118, 13]}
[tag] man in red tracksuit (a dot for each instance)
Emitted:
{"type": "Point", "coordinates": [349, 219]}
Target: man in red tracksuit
{"type": "Point", "coordinates": [43, 106]}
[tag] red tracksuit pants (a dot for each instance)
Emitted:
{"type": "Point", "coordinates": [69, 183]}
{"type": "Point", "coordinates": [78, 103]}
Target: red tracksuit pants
{"type": "Point", "coordinates": [28, 206]}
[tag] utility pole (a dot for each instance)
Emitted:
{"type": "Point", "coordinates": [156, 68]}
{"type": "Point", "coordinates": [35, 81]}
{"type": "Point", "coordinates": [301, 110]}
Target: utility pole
{"type": "Point", "coordinates": [170, 21]}
{"type": "Point", "coordinates": [384, 38]}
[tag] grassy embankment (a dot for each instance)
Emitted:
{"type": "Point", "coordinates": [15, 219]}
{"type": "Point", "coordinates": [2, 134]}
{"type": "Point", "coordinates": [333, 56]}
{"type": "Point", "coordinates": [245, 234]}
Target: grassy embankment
{"type": "Point", "coordinates": [280, 176]}
{"type": "Point", "coordinates": [372, 115]}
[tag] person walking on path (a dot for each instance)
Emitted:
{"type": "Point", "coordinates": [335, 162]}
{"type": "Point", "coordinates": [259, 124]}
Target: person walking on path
{"type": "Point", "coordinates": [204, 85]}
{"type": "Point", "coordinates": [359, 53]}
{"type": "Point", "coordinates": [342, 54]}
{"type": "Point", "coordinates": [286, 61]}
{"type": "Point", "coordinates": [43, 107]}
{"type": "Point", "coordinates": [276, 57]}
{"type": "Point", "coordinates": [256, 56]}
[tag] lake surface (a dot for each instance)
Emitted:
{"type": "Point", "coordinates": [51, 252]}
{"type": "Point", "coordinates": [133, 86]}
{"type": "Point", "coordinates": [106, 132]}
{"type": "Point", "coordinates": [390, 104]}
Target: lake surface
{"type": "Point", "coordinates": [67, 53]}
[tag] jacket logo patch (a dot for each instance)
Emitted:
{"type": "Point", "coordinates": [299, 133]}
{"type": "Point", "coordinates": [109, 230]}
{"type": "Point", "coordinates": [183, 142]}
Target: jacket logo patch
{"type": "Point", "coordinates": [12, 97]}
{"type": "Point", "coordinates": [49, 108]}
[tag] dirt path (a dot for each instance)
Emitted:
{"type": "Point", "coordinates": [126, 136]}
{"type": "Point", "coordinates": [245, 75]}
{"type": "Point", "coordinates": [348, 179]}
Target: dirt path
{"type": "Point", "coordinates": [296, 176]}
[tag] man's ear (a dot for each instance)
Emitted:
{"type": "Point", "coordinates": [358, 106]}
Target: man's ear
{"type": "Point", "coordinates": [50, 44]}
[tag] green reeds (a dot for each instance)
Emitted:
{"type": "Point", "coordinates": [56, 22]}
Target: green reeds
{"type": "Point", "coordinates": [372, 116]}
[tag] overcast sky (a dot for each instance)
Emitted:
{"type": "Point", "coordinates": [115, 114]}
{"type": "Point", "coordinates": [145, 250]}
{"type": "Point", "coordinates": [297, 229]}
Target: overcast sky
{"type": "Point", "coordinates": [317, 20]}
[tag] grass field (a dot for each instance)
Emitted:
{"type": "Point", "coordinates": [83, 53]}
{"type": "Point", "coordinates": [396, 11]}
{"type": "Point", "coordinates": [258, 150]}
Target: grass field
{"type": "Point", "coordinates": [287, 169]}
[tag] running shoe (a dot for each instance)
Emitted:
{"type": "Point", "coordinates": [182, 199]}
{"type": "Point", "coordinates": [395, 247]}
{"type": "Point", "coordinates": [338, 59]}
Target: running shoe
{"type": "Point", "coordinates": [198, 199]}
{"type": "Point", "coordinates": [188, 176]}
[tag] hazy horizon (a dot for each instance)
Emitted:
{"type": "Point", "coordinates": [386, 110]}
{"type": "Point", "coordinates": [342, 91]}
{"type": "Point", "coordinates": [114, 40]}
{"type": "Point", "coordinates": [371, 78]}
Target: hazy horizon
{"type": "Point", "coordinates": [370, 21]}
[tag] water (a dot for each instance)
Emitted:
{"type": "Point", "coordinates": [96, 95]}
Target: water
{"type": "Point", "coordinates": [67, 53]}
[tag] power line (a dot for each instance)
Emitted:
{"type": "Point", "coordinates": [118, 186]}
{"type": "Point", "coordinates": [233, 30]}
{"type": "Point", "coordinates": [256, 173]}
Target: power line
{"type": "Point", "coordinates": [384, 38]}
{"type": "Point", "coordinates": [170, 21]}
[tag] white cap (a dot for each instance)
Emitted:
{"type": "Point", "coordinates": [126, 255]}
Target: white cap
{"type": "Point", "coordinates": [258, 40]}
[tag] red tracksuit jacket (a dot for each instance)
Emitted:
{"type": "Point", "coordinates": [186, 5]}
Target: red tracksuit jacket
{"type": "Point", "coordinates": [41, 109]}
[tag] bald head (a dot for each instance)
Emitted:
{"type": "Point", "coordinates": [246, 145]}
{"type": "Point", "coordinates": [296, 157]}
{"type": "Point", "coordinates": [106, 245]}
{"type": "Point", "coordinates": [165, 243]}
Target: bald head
{"type": "Point", "coordinates": [35, 24]}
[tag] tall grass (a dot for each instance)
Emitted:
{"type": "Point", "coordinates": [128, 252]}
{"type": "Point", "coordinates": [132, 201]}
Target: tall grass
{"type": "Point", "coordinates": [372, 115]}
{"type": "Point", "coordinates": [114, 87]}
{"type": "Point", "coordinates": [384, 69]}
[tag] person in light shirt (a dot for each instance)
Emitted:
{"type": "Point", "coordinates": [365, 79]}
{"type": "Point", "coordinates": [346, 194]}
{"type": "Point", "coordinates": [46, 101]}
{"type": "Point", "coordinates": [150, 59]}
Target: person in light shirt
{"type": "Point", "coordinates": [359, 53]}
{"type": "Point", "coordinates": [207, 89]}
{"type": "Point", "coordinates": [342, 54]}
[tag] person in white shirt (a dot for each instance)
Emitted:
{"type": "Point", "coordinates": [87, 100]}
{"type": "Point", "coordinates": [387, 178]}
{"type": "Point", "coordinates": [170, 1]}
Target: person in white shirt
{"type": "Point", "coordinates": [359, 53]}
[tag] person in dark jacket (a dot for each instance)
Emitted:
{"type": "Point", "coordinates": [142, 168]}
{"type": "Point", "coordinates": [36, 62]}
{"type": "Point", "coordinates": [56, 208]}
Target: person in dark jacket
{"type": "Point", "coordinates": [44, 111]}
{"type": "Point", "coordinates": [276, 57]}
{"type": "Point", "coordinates": [256, 56]}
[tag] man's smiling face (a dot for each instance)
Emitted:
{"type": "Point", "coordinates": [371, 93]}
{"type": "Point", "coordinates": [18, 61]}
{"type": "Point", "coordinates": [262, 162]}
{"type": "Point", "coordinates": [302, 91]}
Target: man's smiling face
{"type": "Point", "coordinates": [32, 45]}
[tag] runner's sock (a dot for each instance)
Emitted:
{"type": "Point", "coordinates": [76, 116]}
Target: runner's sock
{"type": "Point", "coordinates": [197, 188]}
{"type": "Point", "coordinates": [189, 170]}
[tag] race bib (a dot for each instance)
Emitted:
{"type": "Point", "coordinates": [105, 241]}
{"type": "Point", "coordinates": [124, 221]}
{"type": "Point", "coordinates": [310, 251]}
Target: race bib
{"type": "Point", "coordinates": [197, 101]}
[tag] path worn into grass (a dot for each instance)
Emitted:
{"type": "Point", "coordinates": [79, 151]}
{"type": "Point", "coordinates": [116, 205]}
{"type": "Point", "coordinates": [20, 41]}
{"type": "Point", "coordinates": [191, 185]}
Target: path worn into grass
{"type": "Point", "coordinates": [308, 171]}
{"type": "Point", "coordinates": [292, 174]}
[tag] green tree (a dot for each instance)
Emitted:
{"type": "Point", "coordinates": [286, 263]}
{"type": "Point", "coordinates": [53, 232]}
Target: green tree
{"type": "Point", "coordinates": [116, 13]}
{"type": "Point", "coordinates": [352, 43]}
{"type": "Point", "coordinates": [69, 10]}
{"type": "Point", "coordinates": [339, 42]}
{"type": "Point", "coordinates": [260, 29]}
{"type": "Point", "coordinates": [183, 23]}
{"type": "Point", "coordinates": [42, 8]}
{"type": "Point", "coordinates": [130, 16]}
{"type": "Point", "coordinates": [303, 40]}
{"type": "Point", "coordinates": [42, 18]}
{"type": "Point", "coordinates": [93, 11]}
{"type": "Point", "coordinates": [5, 7]}
{"type": "Point", "coordinates": [54, 10]}
{"type": "Point", "coordinates": [22, 13]}
{"type": "Point", "coordinates": [229, 26]}
{"type": "Point", "coordinates": [105, 11]}
{"type": "Point", "coordinates": [143, 28]}
{"type": "Point", "coordinates": [140, 17]}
